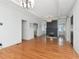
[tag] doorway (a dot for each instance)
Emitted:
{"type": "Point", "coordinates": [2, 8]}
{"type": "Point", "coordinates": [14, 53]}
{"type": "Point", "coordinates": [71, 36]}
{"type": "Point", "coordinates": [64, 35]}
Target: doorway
{"type": "Point", "coordinates": [35, 26]}
{"type": "Point", "coordinates": [24, 29]}
{"type": "Point", "coordinates": [71, 34]}
{"type": "Point", "coordinates": [52, 28]}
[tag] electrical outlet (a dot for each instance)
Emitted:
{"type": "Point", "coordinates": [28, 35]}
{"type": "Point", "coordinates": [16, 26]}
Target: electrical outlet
{"type": "Point", "coordinates": [0, 44]}
{"type": "Point", "coordinates": [1, 24]}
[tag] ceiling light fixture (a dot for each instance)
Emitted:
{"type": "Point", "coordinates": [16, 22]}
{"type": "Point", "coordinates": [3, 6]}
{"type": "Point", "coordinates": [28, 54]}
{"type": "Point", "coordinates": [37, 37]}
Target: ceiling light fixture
{"type": "Point", "coordinates": [49, 19]}
{"type": "Point", "coordinates": [27, 3]}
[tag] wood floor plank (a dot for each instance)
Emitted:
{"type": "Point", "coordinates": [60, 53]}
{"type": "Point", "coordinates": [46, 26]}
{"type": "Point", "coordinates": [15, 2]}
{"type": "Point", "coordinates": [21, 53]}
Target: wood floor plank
{"type": "Point", "coordinates": [39, 48]}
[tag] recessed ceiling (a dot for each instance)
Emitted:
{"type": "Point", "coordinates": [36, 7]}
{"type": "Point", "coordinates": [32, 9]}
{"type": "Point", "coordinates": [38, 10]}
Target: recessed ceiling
{"type": "Point", "coordinates": [52, 8]}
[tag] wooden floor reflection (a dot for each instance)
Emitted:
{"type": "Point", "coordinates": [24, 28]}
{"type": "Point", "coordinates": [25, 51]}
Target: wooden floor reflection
{"type": "Point", "coordinates": [39, 48]}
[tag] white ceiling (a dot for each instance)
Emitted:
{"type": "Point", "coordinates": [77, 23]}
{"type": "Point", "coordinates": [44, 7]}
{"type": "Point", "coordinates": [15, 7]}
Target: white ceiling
{"type": "Point", "coordinates": [65, 6]}
{"type": "Point", "coordinates": [52, 8]}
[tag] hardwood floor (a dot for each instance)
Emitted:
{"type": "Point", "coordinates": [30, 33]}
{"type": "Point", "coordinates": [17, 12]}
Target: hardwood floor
{"type": "Point", "coordinates": [39, 48]}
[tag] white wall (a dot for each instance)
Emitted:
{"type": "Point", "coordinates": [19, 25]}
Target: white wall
{"type": "Point", "coordinates": [11, 16]}
{"type": "Point", "coordinates": [62, 21]}
{"type": "Point", "coordinates": [76, 26]}
{"type": "Point", "coordinates": [29, 29]}
{"type": "Point", "coordinates": [68, 29]}
{"type": "Point", "coordinates": [42, 28]}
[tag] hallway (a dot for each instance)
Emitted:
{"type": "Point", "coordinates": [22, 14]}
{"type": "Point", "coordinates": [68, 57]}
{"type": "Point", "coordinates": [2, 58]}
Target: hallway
{"type": "Point", "coordinates": [39, 48]}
